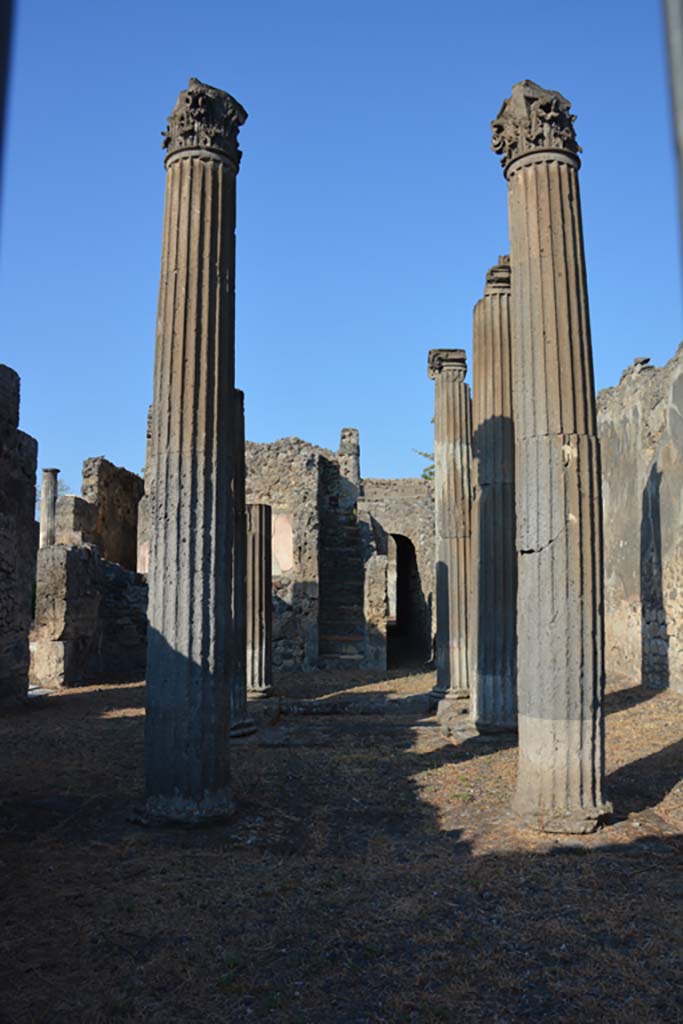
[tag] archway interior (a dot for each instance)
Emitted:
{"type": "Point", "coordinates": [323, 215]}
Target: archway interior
{"type": "Point", "coordinates": [405, 646]}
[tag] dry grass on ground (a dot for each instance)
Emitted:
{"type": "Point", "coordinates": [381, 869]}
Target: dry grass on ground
{"type": "Point", "coordinates": [372, 873]}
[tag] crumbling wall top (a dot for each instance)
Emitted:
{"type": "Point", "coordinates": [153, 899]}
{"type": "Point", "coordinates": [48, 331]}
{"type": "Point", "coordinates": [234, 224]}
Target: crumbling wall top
{"type": "Point", "coordinates": [9, 396]}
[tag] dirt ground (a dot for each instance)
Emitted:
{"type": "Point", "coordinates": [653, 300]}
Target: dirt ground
{"type": "Point", "coordinates": [372, 873]}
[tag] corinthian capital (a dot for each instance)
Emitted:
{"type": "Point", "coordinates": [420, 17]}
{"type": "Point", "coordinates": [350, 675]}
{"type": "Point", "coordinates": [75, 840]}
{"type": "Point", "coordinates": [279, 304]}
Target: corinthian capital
{"type": "Point", "coordinates": [205, 118]}
{"type": "Point", "coordinates": [533, 119]}
{"type": "Point", "coordinates": [449, 361]}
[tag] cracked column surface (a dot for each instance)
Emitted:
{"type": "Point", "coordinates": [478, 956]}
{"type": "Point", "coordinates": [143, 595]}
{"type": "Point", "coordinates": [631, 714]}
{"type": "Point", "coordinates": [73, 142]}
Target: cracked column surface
{"type": "Point", "coordinates": [48, 508]}
{"type": "Point", "coordinates": [259, 601]}
{"type": "Point", "coordinates": [191, 642]}
{"type": "Point", "coordinates": [452, 509]}
{"type": "Point", "coordinates": [494, 554]}
{"type": "Point", "coordinates": [560, 653]}
{"type": "Point", "coordinates": [240, 723]}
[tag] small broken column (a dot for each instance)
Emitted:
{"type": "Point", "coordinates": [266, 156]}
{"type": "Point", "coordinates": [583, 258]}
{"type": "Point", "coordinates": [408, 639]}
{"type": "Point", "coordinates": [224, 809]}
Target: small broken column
{"type": "Point", "coordinates": [48, 508]}
{"type": "Point", "coordinates": [560, 673]}
{"type": "Point", "coordinates": [452, 500]}
{"type": "Point", "coordinates": [350, 486]}
{"type": "Point", "coordinates": [191, 638]}
{"type": "Point", "coordinates": [494, 554]}
{"type": "Point", "coordinates": [259, 601]}
{"type": "Point", "coordinates": [240, 723]}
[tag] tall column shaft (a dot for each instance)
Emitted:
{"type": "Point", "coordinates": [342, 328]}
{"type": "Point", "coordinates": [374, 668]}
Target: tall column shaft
{"type": "Point", "coordinates": [494, 554]}
{"type": "Point", "coordinates": [240, 723]}
{"type": "Point", "coordinates": [191, 643]}
{"type": "Point", "coordinates": [558, 504]}
{"type": "Point", "coordinates": [259, 601]}
{"type": "Point", "coordinates": [452, 497]}
{"type": "Point", "coordinates": [48, 508]}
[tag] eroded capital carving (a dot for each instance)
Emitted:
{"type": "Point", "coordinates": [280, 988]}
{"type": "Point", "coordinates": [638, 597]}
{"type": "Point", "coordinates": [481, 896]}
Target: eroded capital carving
{"type": "Point", "coordinates": [205, 118]}
{"type": "Point", "coordinates": [533, 119]}
{"type": "Point", "coordinates": [498, 277]}
{"type": "Point", "coordinates": [450, 361]}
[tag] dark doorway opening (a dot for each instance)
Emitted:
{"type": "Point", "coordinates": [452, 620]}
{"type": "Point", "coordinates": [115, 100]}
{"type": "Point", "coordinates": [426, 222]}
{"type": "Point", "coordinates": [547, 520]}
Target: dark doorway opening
{"type": "Point", "coordinates": [405, 627]}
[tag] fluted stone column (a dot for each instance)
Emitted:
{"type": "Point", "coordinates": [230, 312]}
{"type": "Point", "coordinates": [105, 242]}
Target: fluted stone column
{"type": "Point", "coordinates": [240, 723]}
{"type": "Point", "coordinates": [259, 601]}
{"type": "Point", "coordinates": [494, 555]}
{"type": "Point", "coordinates": [191, 642]}
{"type": "Point", "coordinates": [48, 508]}
{"type": "Point", "coordinates": [560, 672]}
{"type": "Point", "coordinates": [452, 498]}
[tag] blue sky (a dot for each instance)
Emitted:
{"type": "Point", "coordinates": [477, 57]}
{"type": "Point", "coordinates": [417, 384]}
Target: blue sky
{"type": "Point", "coordinates": [369, 202]}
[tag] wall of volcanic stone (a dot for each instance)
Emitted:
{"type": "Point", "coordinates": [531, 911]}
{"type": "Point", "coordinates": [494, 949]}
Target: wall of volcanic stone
{"type": "Point", "coordinates": [286, 475]}
{"type": "Point", "coordinates": [18, 538]}
{"type": "Point", "coordinates": [405, 507]}
{"type": "Point", "coordinates": [640, 424]}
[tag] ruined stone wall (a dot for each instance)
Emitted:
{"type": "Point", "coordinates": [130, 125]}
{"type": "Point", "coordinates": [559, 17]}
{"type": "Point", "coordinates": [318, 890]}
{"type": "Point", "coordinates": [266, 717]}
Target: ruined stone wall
{"type": "Point", "coordinates": [18, 538]}
{"type": "Point", "coordinates": [91, 606]}
{"type": "Point", "coordinates": [90, 619]}
{"type": "Point", "coordinates": [115, 492]}
{"type": "Point", "coordinates": [406, 507]}
{"type": "Point", "coordinates": [75, 521]}
{"type": "Point", "coordinates": [640, 423]}
{"type": "Point", "coordinates": [286, 475]}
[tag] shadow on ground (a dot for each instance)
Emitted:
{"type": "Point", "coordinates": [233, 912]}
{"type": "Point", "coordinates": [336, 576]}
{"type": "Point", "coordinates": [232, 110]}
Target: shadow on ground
{"type": "Point", "coordinates": [372, 874]}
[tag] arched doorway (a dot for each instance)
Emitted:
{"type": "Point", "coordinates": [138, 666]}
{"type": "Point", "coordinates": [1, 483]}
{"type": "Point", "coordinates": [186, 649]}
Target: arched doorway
{"type": "Point", "coordinates": [406, 622]}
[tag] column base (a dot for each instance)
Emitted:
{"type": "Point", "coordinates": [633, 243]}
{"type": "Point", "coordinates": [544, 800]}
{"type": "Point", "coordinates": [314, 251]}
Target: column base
{"type": "Point", "coordinates": [246, 727]}
{"type": "Point", "coordinates": [487, 729]}
{"type": "Point", "coordinates": [452, 714]}
{"type": "Point", "coordinates": [177, 810]}
{"type": "Point", "coordinates": [454, 698]}
{"type": "Point", "coordinates": [265, 691]}
{"type": "Point", "coordinates": [578, 821]}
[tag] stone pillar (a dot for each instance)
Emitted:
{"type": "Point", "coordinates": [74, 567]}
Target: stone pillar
{"type": "Point", "coordinates": [191, 642]}
{"type": "Point", "coordinates": [452, 501]}
{"type": "Point", "coordinates": [560, 673]}
{"type": "Point", "coordinates": [240, 723]}
{"type": "Point", "coordinates": [18, 539]}
{"type": "Point", "coordinates": [144, 525]}
{"type": "Point", "coordinates": [259, 601]}
{"type": "Point", "coordinates": [494, 555]}
{"type": "Point", "coordinates": [350, 487]}
{"type": "Point", "coordinates": [48, 508]}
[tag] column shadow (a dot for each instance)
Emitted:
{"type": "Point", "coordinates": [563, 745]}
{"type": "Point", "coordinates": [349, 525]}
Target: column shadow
{"type": "Point", "coordinates": [654, 628]}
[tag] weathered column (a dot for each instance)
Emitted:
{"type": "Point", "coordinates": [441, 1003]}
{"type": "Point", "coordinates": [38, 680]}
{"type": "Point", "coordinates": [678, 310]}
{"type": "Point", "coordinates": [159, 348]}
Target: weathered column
{"type": "Point", "coordinates": [240, 723]}
{"type": "Point", "coordinates": [48, 508]}
{"type": "Point", "coordinates": [191, 644]}
{"type": "Point", "coordinates": [494, 555]}
{"type": "Point", "coordinates": [560, 672]}
{"type": "Point", "coordinates": [452, 499]}
{"type": "Point", "coordinates": [259, 601]}
{"type": "Point", "coordinates": [350, 487]}
{"type": "Point", "coordinates": [144, 524]}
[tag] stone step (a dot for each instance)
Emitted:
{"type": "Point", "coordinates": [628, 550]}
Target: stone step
{"type": "Point", "coordinates": [340, 609]}
{"type": "Point", "coordinates": [340, 555]}
{"type": "Point", "coordinates": [340, 661]}
{"type": "Point", "coordinates": [338, 648]}
{"type": "Point", "coordinates": [352, 573]}
{"type": "Point", "coordinates": [341, 579]}
{"type": "Point", "coordinates": [331, 620]}
{"type": "Point", "coordinates": [338, 637]}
